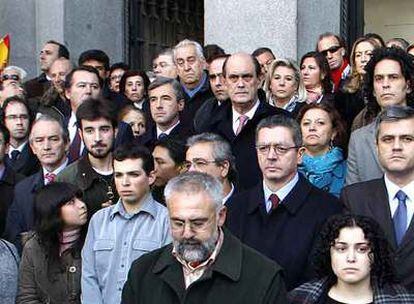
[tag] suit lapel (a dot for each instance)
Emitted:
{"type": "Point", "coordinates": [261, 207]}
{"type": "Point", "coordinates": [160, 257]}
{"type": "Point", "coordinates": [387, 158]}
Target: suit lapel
{"type": "Point", "coordinates": [380, 209]}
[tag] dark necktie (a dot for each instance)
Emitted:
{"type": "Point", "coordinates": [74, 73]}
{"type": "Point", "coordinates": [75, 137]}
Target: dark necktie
{"type": "Point", "coordinates": [74, 149]}
{"type": "Point", "coordinates": [15, 155]}
{"type": "Point", "coordinates": [400, 217]}
{"type": "Point", "coordinates": [275, 201]}
{"type": "Point", "coordinates": [162, 136]}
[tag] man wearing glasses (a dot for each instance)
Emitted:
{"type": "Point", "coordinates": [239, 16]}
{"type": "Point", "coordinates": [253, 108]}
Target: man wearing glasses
{"type": "Point", "coordinates": [205, 263]}
{"type": "Point", "coordinates": [17, 120]}
{"type": "Point", "coordinates": [282, 215]}
{"type": "Point", "coordinates": [333, 48]}
{"type": "Point", "coordinates": [210, 153]}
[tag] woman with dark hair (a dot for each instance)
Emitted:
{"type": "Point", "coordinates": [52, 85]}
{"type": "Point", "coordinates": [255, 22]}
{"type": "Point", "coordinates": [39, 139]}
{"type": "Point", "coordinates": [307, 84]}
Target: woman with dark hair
{"type": "Point", "coordinates": [354, 264]}
{"type": "Point", "coordinates": [350, 100]}
{"type": "Point", "coordinates": [134, 86]}
{"type": "Point", "coordinates": [324, 139]}
{"type": "Point", "coordinates": [50, 269]}
{"type": "Point", "coordinates": [315, 72]}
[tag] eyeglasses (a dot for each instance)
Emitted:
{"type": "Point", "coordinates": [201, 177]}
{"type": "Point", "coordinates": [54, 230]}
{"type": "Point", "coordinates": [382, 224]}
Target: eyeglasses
{"type": "Point", "coordinates": [332, 49]}
{"type": "Point", "coordinates": [198, 163]}
{"type": "Point", "coordinates": [195, 225]}
{"type": "Point", "coordinates": [279, 149]}
{"type": "Point", "coordinates": [11, 77]}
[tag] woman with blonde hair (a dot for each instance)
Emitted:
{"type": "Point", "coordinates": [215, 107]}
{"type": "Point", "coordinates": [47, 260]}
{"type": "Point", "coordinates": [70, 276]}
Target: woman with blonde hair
{"type": "Point", "coordinates": [284, 86]}
{"type": "Point", "coordinates": [350, 100]}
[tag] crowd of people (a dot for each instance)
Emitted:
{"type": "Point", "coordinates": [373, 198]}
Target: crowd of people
{"type": "Point", "coordinates": [212, 178]}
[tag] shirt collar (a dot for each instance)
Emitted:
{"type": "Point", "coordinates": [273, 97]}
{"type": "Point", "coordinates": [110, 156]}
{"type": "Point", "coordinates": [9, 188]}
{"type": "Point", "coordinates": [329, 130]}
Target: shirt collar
{"type": "Point", "coordinates": [167, 132]}
{"type": "Point", "coordinates": [228, 194]}
{"type": "Point", "coordinates": [249, 114]}
{"type": "Point", "coordinates": [58, 169]}
{"type": "Point", "coordinates": [146, 206]}
{"type": "Point", "coordinates": [282, 192]}
{"type": "Point", "coordinates": [392, 188]}
{"type": "Point", "coordinates": [72, 120]}
{"type": "Point", "coordinates": [194, 91]}
{"type": "Point", "coordinates": [207, 262]}
{"type": "Point", "coordinates": [19, 148]}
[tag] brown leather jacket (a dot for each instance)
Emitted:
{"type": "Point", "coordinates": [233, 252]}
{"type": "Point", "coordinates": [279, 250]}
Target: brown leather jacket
{"type": "Point", "coordinates": [38, 285]}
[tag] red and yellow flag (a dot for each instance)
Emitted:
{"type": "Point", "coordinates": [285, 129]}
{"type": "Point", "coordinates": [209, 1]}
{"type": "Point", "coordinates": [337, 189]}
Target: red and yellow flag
{"type": "Point", "coordinates": [4, 51]}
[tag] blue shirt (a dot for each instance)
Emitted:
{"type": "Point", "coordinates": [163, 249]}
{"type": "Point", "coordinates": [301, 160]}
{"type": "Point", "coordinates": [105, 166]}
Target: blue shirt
{"type": "Point", "coordinates": [194, 91]}
{"type": "Point", "coordinates": [115, 239]}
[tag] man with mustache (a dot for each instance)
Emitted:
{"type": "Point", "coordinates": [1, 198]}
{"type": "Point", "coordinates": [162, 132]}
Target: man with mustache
{"type": "Point", "coordinates": [389, 81]}
{"type": "Point", "coordinates": [205, 263]}
{"type": "Point", "coordinates": [93, 172]}
{"type": "Point", "coordinates": [389, 199]}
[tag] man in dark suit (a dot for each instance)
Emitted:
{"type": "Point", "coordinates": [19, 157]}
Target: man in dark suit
{"type": "Point", "coordinates": [166, 99]}
{"type": "Point", "coordinates": [17, 119]}
{"type": "Point", "coordinates": [208, 109]}
{"type": "Point", "coordinates": [282, 215]}
{"type": "Point", "coordinates": [80, 84]}
{"type": "Point", "coordinates": [190, 62]}
{"type": "Point", "coordinates": [390, 199]}
{"type": "Point", "coordinates": [49, 142]}
{"type": "Point", "coordinates": [236, 120]}
{"type": "Point", "coordinates": [8, 178]}
{"type": "Point", "coordinates": [50, 52]}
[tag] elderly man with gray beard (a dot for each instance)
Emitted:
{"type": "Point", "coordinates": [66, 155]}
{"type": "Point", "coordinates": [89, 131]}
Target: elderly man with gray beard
{"type": "Point", "coordinates": [205, 263]}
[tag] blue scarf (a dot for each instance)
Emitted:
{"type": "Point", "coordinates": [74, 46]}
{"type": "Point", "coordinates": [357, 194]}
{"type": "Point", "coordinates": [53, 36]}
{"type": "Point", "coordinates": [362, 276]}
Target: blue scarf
{"type": "Point", "coordinates": [326, 171]}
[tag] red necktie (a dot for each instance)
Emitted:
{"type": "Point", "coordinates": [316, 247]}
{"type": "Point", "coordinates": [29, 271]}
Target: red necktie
{"type": "Point", "coordinates": [275, 201]}
{"type": "Point", "coordinates": [49, 178]}
{"type": "Point", "coordinates": [242, 121]}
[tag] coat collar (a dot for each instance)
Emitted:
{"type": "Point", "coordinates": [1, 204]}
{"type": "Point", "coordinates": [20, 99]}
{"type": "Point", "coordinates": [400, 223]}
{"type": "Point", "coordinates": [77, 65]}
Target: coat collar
{"type": "Point", "coordinates": [292, 202]}
{"type": "Point", "coordinates": [228, 263]}
{"type": "Point", "coordinates": [86, 174]}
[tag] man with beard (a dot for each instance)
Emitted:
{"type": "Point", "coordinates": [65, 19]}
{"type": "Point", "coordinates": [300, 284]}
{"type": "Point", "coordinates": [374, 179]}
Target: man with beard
{"type": "Point", "coordinates": [205, 263]}
{"type": "Point", "coordinates": [93, 172]}
{"type": "Point", "coordinates": [121, 233]}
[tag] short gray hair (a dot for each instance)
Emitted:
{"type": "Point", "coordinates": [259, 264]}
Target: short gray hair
{"type": "Point", "coordinates": [188, 42]}
{"type": "Point", "coordinates": [392, 114]}
{"type": "Point", "coordinates": [160, 81]}
{"type": "Point", "coordinates": [282, 120]}
{"type": "Point", "coordinates": [196, 182]}
{"type": "Point", "coordinates": [221, 150]}
{"type": "Point", "coordinates": [45, 117]}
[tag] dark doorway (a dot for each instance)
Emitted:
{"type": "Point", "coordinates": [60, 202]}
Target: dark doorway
{"type": "Point", "coordinates": [352, 20]}
{"type": "Point", "coordinates": [157, 24]}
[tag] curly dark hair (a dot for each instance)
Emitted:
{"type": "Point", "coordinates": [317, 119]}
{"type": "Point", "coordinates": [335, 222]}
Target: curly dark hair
{"type": "Point", "coordinates": [338, 124]}
{"type": "Point", "coordinates": [407, 69]}
{"type": "Point", "coordinates": [323, 65]}
{"type": "Point", "coordinates": [49, 223]}
{"type": "Point", "coordinates": [382, 267]}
